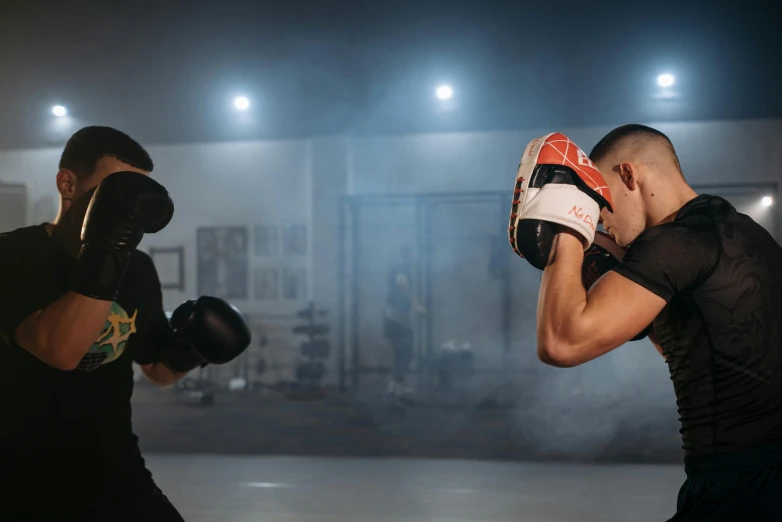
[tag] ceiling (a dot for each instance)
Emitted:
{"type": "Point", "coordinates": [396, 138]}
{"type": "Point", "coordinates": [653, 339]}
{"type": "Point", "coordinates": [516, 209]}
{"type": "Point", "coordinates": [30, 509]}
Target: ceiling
{"type": "Point", "coordinates": [167, 72]}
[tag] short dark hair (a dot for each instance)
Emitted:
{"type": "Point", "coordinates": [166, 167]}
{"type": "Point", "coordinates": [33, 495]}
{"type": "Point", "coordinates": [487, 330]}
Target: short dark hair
{"type": "Point", "coordinates": [90, 144]}
{"type": "Point", "coordinates": [613, 139]}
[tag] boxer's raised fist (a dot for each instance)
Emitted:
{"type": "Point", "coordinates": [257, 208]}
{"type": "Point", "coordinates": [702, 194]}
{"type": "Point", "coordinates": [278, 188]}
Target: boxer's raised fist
{"type": "Point", "coordinates": [124, 207]}
{"type": "Point", "coordinates": [556, 185]}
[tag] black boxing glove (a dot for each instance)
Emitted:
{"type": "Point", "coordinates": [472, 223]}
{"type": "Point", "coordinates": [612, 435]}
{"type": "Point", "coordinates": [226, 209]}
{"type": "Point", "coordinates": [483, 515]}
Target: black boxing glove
{"type": "Point", "coordinates": [124, 207]}
{"type": "Point", "coordinates": [205, 331]}
{"type": "Point", "coordinates": [601, 257]}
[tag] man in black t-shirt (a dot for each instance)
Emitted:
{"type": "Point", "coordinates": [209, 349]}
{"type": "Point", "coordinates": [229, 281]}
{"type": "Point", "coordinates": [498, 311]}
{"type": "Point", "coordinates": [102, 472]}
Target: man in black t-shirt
{"type": "Point", "coordinates": [707, 278]}
{"type": "Point", "coordinates": [78, 304]}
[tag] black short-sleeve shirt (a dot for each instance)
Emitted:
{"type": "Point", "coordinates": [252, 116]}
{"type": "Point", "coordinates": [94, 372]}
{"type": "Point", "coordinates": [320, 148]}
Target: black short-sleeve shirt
{"type": "Point", "coordinates": [720, 274]}
{"type": "Point", "coordinates": [55, 422]}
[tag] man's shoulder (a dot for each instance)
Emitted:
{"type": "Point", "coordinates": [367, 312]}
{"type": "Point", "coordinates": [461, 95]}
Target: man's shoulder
{"type": "Point", "coordinates": [139, 256]}
{"type": "Point", "coordinates": [679, 234]}
{"type": "Point", "coordinates": [704, 211]}
{"type": "Point", "coordinates": [15, 243]}
{"type": "Point", "coordinates": [694, 226]}
{"type": "Point", "coordinates": [692, 239]}
{"type": "Point", "coordinates": [142, 266]}
{"type": "Point", "coordinates": [22, 235]}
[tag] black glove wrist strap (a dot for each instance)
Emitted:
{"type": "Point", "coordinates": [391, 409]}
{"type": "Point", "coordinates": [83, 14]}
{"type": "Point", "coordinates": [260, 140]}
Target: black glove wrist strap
{"type": "Point", "coordinates": [180, 356]}
{"type": "Point", "coordinates": [99, 272]}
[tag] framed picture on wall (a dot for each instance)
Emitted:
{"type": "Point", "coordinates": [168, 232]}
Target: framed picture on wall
{"type": "Point", "coordinates": [222, 262]}
{"type": "Point", "coordinates": [170, 266]}
{"type": "Point", "coordinates": [266, 241]}
{"type": "Point", "coordinates": [294, 240]}
{"type": "Point", "coordinates": [294, 283]}
{"type": "Point", "coordinates": [266, 284]}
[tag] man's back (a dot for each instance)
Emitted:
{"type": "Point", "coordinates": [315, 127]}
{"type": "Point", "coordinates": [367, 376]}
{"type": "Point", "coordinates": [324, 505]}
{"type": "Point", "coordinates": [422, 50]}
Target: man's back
{"type": "Point", "coordinates": [721, 331]}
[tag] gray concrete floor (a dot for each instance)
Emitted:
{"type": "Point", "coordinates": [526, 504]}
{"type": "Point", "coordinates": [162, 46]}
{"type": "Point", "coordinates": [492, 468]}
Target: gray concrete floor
{"type": "Point", "coordinates": [303, 489]}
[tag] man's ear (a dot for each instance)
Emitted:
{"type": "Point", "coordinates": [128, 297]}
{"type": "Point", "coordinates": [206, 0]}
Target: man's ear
{"type": "Point", "coordinates": [628, 175]}
{"type": "Point", "coordinates": [66, 184]}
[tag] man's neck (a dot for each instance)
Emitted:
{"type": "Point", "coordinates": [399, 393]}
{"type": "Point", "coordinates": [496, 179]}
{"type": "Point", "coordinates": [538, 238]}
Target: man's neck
{"type": "Point", "coordinates": [669, 202]}
{"type": "Point", "coordinates": [66, 233]}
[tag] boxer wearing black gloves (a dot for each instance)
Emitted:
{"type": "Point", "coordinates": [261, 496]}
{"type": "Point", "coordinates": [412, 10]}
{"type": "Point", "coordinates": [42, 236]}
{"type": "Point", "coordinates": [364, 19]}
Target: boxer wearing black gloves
{"type": "Point", "coordinates": [78, 304]}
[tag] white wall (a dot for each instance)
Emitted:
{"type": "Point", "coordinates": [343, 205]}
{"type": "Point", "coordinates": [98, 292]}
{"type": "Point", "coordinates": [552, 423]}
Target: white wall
{"type": "Point", "coordinates": [722, 152]}
{"type": "Point", "coordinates": [36, 169]}
{"type": "Point", "coordinates": [231, 184]}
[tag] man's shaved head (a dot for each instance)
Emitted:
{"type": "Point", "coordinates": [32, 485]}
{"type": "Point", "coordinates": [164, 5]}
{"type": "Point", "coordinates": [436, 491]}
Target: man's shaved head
{"type": "Point", "coordinates": [637, 143]}
{"type": "Point", "coordinates": [640, 167]}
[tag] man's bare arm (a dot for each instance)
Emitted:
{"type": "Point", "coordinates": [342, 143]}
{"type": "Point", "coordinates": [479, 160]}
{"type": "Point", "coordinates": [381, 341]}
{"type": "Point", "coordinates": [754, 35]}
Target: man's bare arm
{"type": "Point", "coordinates": [574, 327]}
{"type": "Point", "coordinates": [160, 374]}
{"type": "Point", "coordinates": [63, 332]}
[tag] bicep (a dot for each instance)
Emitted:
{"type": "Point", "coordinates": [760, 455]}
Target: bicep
{"type": "Point", "coordinates": [661, 263]}
{"type": "Point", "coordinates": [27, 331]}
{"type": "Point", "coordinates": [617, 309]}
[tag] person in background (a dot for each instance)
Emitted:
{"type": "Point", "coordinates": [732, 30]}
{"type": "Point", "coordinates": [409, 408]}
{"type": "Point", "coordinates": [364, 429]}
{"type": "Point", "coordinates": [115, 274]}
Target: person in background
{"type": "Point", "coordinates": [401, 303]}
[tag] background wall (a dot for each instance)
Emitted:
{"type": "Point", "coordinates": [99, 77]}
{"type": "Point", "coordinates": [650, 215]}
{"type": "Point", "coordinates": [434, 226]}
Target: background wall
{"type": "Point", "coordinates": [287, 183]}
{"type": "Point", "coordinates": [716, 152]}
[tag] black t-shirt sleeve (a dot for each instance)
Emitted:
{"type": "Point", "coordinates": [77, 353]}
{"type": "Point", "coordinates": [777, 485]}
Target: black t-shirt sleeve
{"type": "Point", "coordinates": [152, 306]}
{"type": "Point", "coordinates": [28, 282]}
{"type": "Point", "coordinates": [673, 257]}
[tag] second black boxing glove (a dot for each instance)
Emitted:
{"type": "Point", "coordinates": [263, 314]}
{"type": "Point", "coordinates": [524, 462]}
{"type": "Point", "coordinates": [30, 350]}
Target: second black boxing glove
{"type": "Point", "coordinates": [206, 331]}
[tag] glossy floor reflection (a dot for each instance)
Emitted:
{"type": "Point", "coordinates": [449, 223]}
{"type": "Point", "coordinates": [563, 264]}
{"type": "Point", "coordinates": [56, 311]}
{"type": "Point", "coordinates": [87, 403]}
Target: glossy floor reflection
{"type": "Point", "coordinates": [281, 489]}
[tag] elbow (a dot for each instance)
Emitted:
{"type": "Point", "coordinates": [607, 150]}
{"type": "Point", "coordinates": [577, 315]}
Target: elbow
{"type": "Point", "coordinates": [65, 360]}
{"type": "Point", "coordinates": [556, 354]}
{"type": "Point", "coordinates": [49, 347]}
{"type": "Point", "coordinates": [64, 357]}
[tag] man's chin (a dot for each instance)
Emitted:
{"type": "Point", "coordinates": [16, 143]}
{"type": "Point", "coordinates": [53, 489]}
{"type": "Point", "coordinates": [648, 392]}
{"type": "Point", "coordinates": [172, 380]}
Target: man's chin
{"type": "Point", "coordinates": [617, 239]}
{"type": "Point", "coordinates": [623, 241]}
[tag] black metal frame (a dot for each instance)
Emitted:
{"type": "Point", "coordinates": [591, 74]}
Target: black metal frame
{"type": "Point", "coordinates": [349, 246]}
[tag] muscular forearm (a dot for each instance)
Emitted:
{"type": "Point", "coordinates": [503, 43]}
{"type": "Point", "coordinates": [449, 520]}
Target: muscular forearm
{"type": "Point", "coordinates": [160, 374]}
{"type": "Point", "coordinates": [562, 301]}
{"type": "Point", "coordinates": [63, 332]}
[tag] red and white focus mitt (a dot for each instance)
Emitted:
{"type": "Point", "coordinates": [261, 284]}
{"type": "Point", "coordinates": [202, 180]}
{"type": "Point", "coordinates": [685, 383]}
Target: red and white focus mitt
{"type": "Point", "coordinates": [556, 184]}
